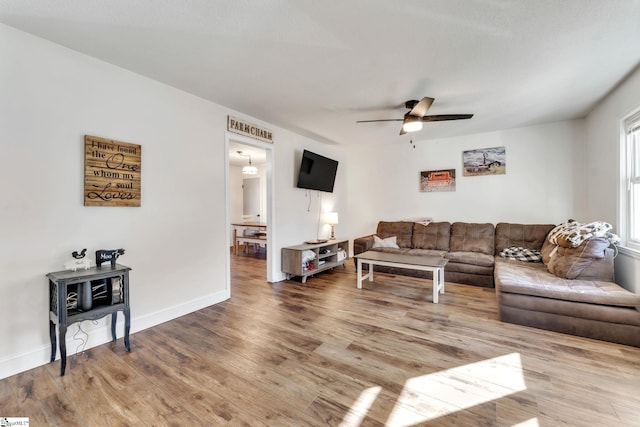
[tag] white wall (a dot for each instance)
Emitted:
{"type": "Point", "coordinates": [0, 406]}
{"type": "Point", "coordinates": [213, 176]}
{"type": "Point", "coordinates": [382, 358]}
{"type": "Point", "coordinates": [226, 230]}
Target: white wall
{"type": "Point", "coordinates": [297, 209]}
{"type": "Point", "coordinates": [603, 167]}
{"type": "Point", "coordinates": [50, 97]}
{"type": "Point", "coordinates": [542, 182]}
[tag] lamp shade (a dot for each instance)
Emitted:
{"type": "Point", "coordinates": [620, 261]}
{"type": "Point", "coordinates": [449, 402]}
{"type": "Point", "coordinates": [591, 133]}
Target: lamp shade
{"type": "Point", "coordinates": [249, 170]}
{"type": "Point", "coordinates": [331, 218]}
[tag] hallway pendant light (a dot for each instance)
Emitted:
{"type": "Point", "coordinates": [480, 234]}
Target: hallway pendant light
{"type": "Point", "coordinates": [249, 169]}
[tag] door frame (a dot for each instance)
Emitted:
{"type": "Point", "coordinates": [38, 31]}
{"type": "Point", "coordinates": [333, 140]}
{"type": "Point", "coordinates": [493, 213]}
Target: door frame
{"type": "Point", "coordinates": [270, 208]}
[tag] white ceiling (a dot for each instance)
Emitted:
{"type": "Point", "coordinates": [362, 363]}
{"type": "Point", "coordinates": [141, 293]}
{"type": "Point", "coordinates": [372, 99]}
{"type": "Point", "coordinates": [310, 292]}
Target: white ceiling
{"type": "Point", "coordinates": [315, 67]}
{"type": "Point", "coordinates": [258, 155]}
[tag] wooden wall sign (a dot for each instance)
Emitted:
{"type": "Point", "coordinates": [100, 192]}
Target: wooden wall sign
{"type": "Point", "coordinates": [241, 127]}
{"type": "Point", "coordinates": [111, 172]}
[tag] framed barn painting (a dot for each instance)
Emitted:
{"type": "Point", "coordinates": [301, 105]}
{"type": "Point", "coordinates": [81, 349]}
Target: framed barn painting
{"type": "Point", "coordinates": [438, 180]}
{"type": "Point", "coordinates": [484, 161]}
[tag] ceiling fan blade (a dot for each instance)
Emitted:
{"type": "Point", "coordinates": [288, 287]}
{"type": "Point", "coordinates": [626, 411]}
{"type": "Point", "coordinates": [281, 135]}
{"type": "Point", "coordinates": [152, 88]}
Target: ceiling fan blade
{"type": "Point", "coordinates": [420, 109]}
{"type": "Point", "coordinates": [443, 117]}
{"type": "Point", "coordinates": [380, 120]}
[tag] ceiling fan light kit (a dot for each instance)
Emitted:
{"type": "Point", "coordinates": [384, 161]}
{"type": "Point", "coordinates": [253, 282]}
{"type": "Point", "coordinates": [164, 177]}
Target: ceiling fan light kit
{"type": "Point", "coordinates": [412, 124]}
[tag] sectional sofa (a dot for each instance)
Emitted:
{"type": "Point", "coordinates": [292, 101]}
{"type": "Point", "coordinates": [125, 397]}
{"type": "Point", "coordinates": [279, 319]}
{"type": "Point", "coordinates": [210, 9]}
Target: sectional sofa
{"type": "Point", "coordinates": [571, 291]}
{"type": "Point", "coordinates": [469, 248]}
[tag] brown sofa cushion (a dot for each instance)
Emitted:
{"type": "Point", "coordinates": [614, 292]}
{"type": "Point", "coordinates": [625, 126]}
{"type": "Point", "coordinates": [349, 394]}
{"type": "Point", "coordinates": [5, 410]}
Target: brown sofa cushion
{"type": "Point", "coordinates": [470, 237]}
{"type": "Point", "coordinates": [426, 252]}
{"type": "Point", "coordinates": [534, 279]}
{"type": "Point", "coordinates": [600, 268]}
{"type": "Point", "coordinates": [528, 236]}
{"type": "Point", "coordinates": [569, 263]}
{"type": "Point", "coordinates": [436, 236]}
{"type": "Point", "coordinates": [470, 258]}
{"type": "Point", "coordinates": [401, 229]}
{"type": "Point", "coordinates": [571, 309]}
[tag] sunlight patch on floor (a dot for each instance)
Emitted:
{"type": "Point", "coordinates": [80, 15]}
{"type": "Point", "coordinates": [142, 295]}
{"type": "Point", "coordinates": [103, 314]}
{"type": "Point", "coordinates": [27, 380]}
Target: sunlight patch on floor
{"type": "Point", "coordinates": [435, 395]}
{"type": "Point", "coordinates": [359, 409]}
{"type": "Point", "coordinates": [533, 422]}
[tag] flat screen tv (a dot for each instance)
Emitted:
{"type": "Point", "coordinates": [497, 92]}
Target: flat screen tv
{"type": "Point", "coordinates": [317, 172]}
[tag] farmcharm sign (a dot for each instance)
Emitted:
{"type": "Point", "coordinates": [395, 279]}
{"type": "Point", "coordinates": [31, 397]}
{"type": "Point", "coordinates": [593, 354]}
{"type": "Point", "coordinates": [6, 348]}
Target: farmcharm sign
{"type": "Point", "coordinates": [247, 129]}
{"type": "Point", "coordinates": [111, 172]}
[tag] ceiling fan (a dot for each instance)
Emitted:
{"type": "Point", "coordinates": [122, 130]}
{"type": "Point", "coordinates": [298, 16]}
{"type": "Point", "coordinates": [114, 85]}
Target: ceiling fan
{"type": "Point", "coordinates": [413, 119]}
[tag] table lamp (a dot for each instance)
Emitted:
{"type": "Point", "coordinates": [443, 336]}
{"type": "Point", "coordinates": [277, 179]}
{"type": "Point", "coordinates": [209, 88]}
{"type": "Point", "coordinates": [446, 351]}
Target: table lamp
{"type": "Point", "coordinates": [331, 218]}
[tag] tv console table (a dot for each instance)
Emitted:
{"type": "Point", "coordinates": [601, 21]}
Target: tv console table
{"type": "Point", "coordinates": [89, 294]}
{"type": "Point", "coordinates": [325, 256]}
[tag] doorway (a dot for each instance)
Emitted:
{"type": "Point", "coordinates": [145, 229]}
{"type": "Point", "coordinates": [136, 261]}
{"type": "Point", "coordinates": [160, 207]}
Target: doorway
{"type": "Point", "coordinates": [259, 155]}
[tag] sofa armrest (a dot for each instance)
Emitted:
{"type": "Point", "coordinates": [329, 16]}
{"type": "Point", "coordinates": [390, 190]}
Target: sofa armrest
{"type": "Point", "coordinates": [362, 244]}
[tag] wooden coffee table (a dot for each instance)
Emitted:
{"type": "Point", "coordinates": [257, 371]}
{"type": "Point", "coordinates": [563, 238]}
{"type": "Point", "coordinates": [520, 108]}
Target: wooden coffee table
{"type": "Point", "coordinates": [425, 263]}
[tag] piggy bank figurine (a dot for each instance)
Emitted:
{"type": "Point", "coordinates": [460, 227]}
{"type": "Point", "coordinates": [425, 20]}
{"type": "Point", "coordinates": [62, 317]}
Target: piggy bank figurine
{"type": "Point", "coordinates": [111, 255]}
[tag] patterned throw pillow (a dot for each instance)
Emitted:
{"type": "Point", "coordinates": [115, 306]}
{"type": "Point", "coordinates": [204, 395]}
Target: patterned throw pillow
{"type": "Point", "coordinates": [518, 253]}
{"type": "Point", "coordinates": [389, 242]}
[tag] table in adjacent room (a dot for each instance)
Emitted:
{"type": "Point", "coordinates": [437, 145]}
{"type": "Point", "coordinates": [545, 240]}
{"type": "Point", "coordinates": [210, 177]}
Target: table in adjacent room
{"type": "Point", "coordinates": [249, 233]}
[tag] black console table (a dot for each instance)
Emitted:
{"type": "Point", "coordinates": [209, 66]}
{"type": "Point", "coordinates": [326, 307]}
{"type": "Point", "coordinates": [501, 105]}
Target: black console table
{"type": "Point", "coordinates": [89, 294]}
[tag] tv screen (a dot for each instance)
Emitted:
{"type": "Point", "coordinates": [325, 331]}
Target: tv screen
{"type": "Point", "coordinates": [317, 172]}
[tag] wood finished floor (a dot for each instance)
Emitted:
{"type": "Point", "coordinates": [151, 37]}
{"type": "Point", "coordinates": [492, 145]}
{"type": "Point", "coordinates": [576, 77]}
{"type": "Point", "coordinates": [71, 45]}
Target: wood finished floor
{"type": "Point", "coordinates": [325, 353]}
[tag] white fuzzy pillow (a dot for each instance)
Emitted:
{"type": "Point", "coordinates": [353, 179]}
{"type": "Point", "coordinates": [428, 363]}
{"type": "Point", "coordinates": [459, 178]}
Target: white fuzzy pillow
{"type": "Point", "coordinates": [389, 242]}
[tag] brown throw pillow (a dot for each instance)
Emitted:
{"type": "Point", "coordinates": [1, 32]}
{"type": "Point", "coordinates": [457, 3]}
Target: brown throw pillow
{"type": "Point", "coordinates": [568, 263]}
{"type": "Point", "coordinates": [546, 250]}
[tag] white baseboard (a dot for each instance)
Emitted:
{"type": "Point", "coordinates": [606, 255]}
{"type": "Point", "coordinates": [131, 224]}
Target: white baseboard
{"type": "Point", "coordinates": [101, 333]}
